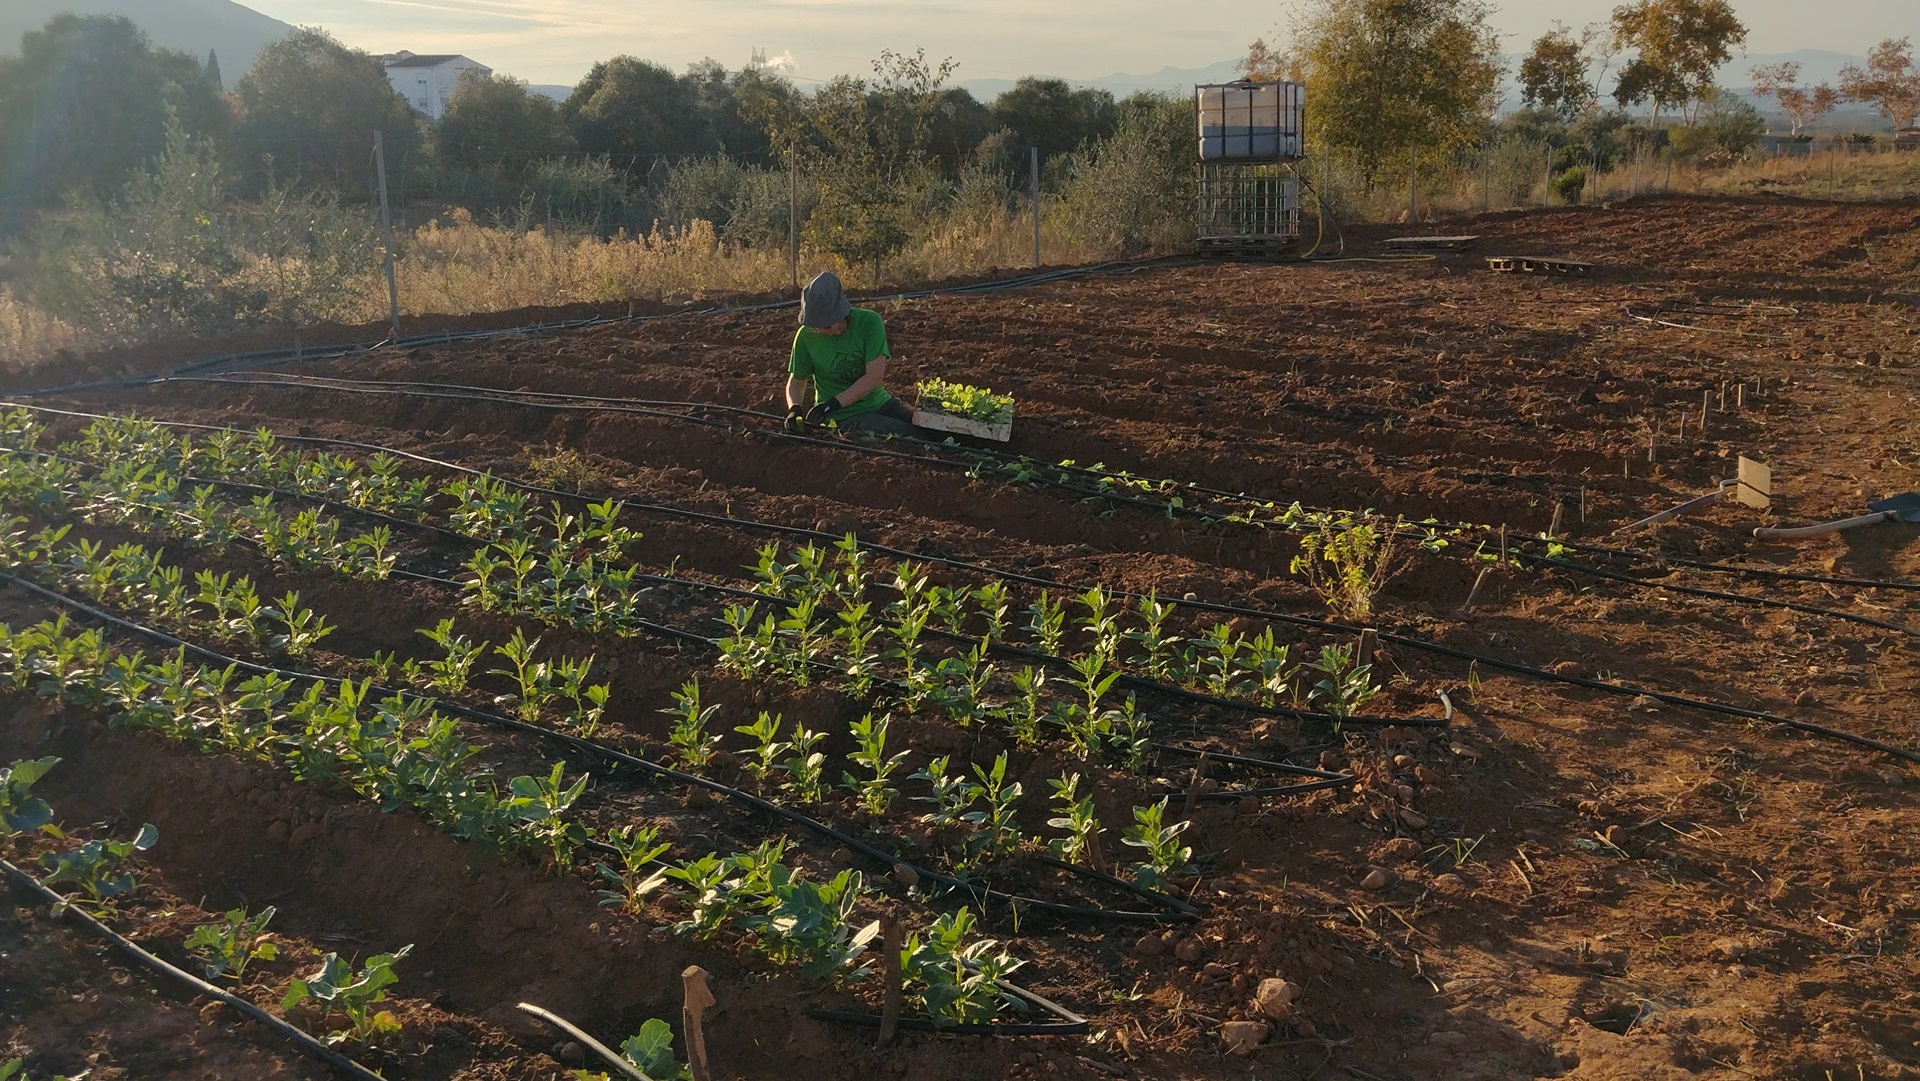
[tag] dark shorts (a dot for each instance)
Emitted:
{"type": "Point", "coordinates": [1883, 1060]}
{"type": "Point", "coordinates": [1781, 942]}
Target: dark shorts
{"type": "Point", "coordinates": [892, 418]}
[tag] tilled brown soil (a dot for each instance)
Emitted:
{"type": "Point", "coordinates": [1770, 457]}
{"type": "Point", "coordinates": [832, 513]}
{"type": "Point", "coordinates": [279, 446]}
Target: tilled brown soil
{"type": "Point", "coordinates": [1591, 886]}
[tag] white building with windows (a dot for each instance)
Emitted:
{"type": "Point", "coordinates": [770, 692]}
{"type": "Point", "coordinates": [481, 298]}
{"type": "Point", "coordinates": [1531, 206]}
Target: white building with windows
{"type": "Point", "coordinates": [428, 81]}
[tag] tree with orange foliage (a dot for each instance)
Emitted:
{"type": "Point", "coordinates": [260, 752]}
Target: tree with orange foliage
{"type": "Point", "coordinates": [1803, 106]}
{"type": "Point", "coordinates": [1890, 82]}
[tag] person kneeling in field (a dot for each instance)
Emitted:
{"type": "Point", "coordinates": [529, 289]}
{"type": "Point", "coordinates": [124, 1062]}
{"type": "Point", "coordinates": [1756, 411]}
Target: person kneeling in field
{"type": "Point", "coordinates": [842, 350]}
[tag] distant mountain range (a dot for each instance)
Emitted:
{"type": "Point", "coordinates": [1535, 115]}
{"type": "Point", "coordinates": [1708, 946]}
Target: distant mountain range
{"type": "Point", "coordinates": [235, 32]}
{"type": "Point", "coordinates": [238, 33]}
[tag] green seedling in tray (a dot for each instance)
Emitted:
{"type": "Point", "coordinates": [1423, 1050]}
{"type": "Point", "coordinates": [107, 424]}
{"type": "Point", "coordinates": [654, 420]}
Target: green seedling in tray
{"type": "Point", "coordinates": [961, 400]}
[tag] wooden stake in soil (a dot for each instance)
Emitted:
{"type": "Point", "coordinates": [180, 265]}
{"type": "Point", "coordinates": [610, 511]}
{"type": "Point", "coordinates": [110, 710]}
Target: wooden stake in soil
{"type": "Point", "coordinates": [1478, 581]}
{"type": "Point", "coordinates": [893, 939]}
{"type": "Point", "coordinates": [1503, 544]}
{"type": "Point", "coordinates": [1369, 642]}
{"type": "Point", "coordinates": [698, 997]}
{"type": "Point", "coordinates": [1740, 397]}
{"type": "Point", "coordinates": [1193, 788]}
{"type": "Point", "coordinates": [1706, 400]}
{"type": "Point", "coordinates": [1558, 510]}
{"type": "Point", "coordinates": [1583, 506]}
{"type": "Point", "coordinates": [1653, 438]}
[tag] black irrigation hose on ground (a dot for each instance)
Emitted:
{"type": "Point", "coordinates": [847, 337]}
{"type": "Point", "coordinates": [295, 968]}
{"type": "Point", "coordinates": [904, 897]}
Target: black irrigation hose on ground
{"type": "Point", "coordinates": [668, 410]}
{"type": "Point", "coordinates": [1176, 908]}
{"type": "Point", "coordinates": [1324, 626]}
{"type": "Point", "coordinates": [345, 1066]}
{"type": "Point", "coordinates": [1070, 1024]}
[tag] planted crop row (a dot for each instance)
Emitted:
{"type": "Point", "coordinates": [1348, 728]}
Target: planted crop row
{"type": "Point", "coordinates": [546, 562]}
{"type": "Point", "coordinates": [555, 689]}
{"type": "Point", "coordinates": [398, 750]}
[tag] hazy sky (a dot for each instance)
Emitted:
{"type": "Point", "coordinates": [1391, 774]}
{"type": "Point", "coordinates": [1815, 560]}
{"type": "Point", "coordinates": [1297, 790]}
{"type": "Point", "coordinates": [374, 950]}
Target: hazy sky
{"type": "Point", "coordinates": [555, 41]}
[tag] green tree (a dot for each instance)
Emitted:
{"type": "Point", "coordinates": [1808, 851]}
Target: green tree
{"type": "Point", "coordinates": [494, 119]}
{"type": "Point", "coordinates": [85, 104]}
{"type": "Point", "coordinates": [1678, 46]}
{"type": "Point", "coordinates": [312, 106]}
{"type": "Point", "coordinates": [1052, 115]}
{"type": "Point", "coordinates": [1553, 76]}
{"type": "Point", "coordinates": [1386, 75]}
{"type": "Point", "coordinates": [634, 111]}
{"type": "Point", "coordinates": [1135, 188]}
{"type": "Point", "coordinates": [1890, 82]}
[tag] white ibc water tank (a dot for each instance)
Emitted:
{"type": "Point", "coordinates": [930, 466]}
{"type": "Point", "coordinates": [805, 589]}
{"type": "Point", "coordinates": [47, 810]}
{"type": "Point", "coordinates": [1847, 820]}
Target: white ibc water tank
{"type": "Point", "coordinates": [1251, 121]}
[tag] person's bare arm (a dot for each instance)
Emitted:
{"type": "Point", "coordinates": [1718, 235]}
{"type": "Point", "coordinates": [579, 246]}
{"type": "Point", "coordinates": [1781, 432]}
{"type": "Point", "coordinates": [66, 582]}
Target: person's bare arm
{"type": "Point", "coordinates": [863, 386]}
{"type": "Point", "coordinates": [798, 390]}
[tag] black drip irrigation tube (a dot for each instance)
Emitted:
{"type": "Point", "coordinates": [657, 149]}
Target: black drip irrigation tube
{"type": "Point", "coordinates": [1324, 626]}
{"type": "Point", "coordinates": [343, 1065]}
{"type": "Point", "coordinates": [1070, 1023]}
{"type": "Point", "coordinates": [670, 410]}
{"type": "Point", "coordinates": [1175, 908]}
{"type": "Point", "coordinates": [264, 357]}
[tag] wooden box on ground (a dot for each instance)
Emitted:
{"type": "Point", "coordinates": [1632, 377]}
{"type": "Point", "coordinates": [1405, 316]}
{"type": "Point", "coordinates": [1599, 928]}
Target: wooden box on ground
{"type": "Point", "coordinates": [935, 420]}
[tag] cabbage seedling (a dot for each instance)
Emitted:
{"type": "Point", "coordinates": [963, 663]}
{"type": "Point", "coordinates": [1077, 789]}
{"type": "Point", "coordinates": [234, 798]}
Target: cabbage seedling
{"type": "Point", "coordinates": [20, 809]}
{"type": "Point", "coordinates": [336, 986]}
{"type": "Point", "coordinates": [228, 947]}
{"type": "Point", "coordinates": [96, 866]}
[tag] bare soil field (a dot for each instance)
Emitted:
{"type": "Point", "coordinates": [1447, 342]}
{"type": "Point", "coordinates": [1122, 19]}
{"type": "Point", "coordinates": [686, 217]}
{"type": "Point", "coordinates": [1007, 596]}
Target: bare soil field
{"type": "Point", "coordinates": [1538, 864]}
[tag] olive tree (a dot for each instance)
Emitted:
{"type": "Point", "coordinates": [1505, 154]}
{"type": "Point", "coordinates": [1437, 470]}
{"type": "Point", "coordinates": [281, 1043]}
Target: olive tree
{"type": "Point", "coordinates": [1387, 75]}
{"type": "Point", "coordinates": [1678, 45]}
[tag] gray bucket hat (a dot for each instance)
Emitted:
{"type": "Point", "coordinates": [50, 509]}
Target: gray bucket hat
{"type": "Point", "coordinates": [823, 302]}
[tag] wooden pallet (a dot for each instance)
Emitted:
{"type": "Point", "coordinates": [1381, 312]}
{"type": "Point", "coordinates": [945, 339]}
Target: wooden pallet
{"type": "Point", "coordinates": [1253, 247]}
{"type": "Point", "coordinates": [1538, 264]}
{"type": "Point", "coordinates": [935, 420]}
{"type": "Point", "coordinates": [1429, 243]}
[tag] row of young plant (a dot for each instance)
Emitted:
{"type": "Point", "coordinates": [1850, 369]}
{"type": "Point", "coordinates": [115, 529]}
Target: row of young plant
{"type": "Point", "coordinates": [534, 567]}
{"type": "Point", "coordinates": [100, 873]}
{"type": "Point", "coordinates": [398, 750]}
{"type": "Point", "coordinates": [544, 561]}
{"type": "Point", "coordinates": [974, 816]}
{"type": "Point", "coordinates": [978, 809]}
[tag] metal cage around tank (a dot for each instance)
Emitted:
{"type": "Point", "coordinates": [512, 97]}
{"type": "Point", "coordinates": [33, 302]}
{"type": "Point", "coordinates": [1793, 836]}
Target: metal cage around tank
{"type": "Point", "coordinates": [1248, 197]}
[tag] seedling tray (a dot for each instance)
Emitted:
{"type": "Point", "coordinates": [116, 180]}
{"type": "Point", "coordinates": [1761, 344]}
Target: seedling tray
{"type": "Point", "coordinates": [935, 420]}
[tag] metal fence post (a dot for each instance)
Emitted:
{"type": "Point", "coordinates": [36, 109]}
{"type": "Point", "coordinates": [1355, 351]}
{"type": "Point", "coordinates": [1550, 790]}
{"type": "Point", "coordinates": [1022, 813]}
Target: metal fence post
{"type": "Point", "coordinates": [1413, 183]}
{"type": "Point", "coordinates": [1036, 207]}
{"type": "Point", "coordinates": [1546, 185]}
{"type": "Point", "coordinates": [386, 233]}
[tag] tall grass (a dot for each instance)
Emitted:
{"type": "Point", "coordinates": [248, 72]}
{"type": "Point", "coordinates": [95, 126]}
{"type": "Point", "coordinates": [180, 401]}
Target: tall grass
{"type": "Point", "coordinates": [29, 335]}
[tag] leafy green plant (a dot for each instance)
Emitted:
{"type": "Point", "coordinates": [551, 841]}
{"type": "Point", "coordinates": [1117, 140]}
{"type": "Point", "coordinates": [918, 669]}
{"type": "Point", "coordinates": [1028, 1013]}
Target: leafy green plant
{"type": "Point", "coordinates": [96, 867]}
{"type": "Point", "coordinates": [767, 745]}
{"type": "Point", "coordinates": [961, 400]}
{"type": "Point", "coordinates": [809, 924]}
{"type": "Point", "coordinates": [1156, 644]}
{"type": "Point", "coordinates": [1349, 564]}
{"type": "Point", "coordinates": [1047, 622]}
{"type": "Point", "coordinates": [651, 1052]}
{"type": "Point", "coordinates": [997, 831]}
{"type": "Point", "coordinates": [335, 986]}
{"type": "Point", "coordinates": [1345, 685]}
{"type": "Point", "coordinates": [638, 848]}
{"type": "Point", "coordinates": [1026, 712]}
{"type": "Point", "coordinates": [451, 673]}
{"type": "Point", "coordinates": [228, 947]}
{"type": "Point", "coordinates": [692, 746]}
{"type": "Point", "coordinates": [1075, 816]}
{"type": "Point", "coordinates": [956, 981]}
{"type": "Point", "coordinates": [20, 810]}
{"type": "Point", "coordinates": [806, 770]}
{"type": "Point", "coordinates": [1160, 844]}
{"type": "Point", "coordinates": [874, 791]}
{"type": "Point", "coordinates": [536, 804]}
{"type": "Point", "coordinates": [951, 796]}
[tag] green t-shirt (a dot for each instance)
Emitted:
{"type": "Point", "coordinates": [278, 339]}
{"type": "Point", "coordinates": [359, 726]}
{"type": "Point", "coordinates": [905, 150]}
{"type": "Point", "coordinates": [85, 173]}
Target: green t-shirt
{"type": "Point", "coordinates": [836, 362]}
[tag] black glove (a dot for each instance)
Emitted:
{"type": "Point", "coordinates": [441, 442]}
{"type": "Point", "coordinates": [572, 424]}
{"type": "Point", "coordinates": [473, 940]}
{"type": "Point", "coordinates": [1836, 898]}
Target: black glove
{"type": "Point", "coordinates": [796, 419]}
{"type": "Point", "coordinates": [823, 412]}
